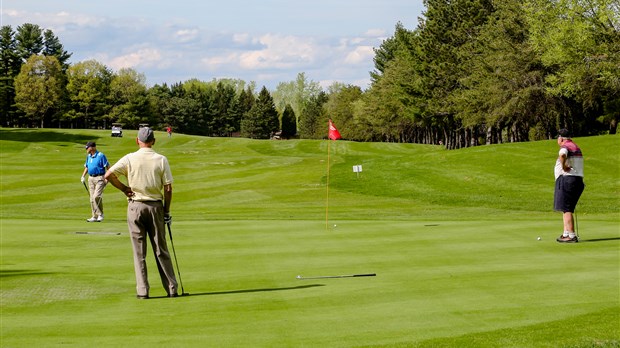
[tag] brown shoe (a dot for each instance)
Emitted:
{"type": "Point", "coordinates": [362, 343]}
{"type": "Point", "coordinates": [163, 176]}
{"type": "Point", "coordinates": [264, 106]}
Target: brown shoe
{"type": "Point", "coordinates": [562, 239]}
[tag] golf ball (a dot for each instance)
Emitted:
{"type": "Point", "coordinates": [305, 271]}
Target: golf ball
{"type": "Point", "coordinates": [335, 225]}
{"type": "Point", "coordinates": [298, 277]}
{"type": "Point", "coordinates": [538, 238]}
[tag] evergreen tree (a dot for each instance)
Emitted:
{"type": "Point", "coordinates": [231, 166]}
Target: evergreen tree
{"type": "Point", "coordinates": [29, 40]}
{"type": "Point", "coordinates": [311, 121]}
{"type": "Point", "coordinates": [225, 100]}
{"type": "Point", "coordinates": [503, 94]}
{"type": "Point", "coordinates": [53, 47]}
{"type": "Point", "coordinates": [261, 122]}
{"type": "Point", "coordinates": [9, 68]}
{"type": "Point", "coordinates": [389, 49]}
{"type": "Point", "coordinates": [445, 34]}
{"type": "Point", "coordinates": [289, 123]}
{"type": "Point", "coordinates": [157, 96]}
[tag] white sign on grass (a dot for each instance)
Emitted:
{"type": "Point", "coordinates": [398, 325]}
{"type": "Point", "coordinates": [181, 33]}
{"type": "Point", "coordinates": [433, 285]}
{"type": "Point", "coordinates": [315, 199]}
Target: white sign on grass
{"type": "Point", "coordinates": [357, 169]}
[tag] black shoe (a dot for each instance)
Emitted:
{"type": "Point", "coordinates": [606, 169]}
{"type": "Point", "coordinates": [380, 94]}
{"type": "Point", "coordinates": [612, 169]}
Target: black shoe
{"type": "Point", "coordinates": [173, 295]}
{"type": "Point", "coordinates": [142, 297]}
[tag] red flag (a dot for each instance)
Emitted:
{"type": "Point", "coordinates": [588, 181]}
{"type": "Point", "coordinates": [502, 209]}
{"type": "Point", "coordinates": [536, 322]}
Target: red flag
{"type": "Point", "coordinates": [333, 132]}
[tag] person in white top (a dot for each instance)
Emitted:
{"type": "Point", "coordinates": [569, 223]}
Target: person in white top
{"type": "Point", "coordinates": [149, 193]}
{"type": "Point", "coordinates": [568, 184]}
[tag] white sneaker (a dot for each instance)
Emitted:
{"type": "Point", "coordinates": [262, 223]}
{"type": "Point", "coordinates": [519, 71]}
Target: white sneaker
{"type": "Point", "coordinates": [100, 218]}
{"type": "Point", "coordinates": [92, 219]}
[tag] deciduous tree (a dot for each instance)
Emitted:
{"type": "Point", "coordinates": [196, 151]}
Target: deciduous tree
{"type": "Point", "coordinates": [128, 98]}
{"type": "Point", "coordinates": [38, 88]}
{"type": "Point", "coordinates": [88, 88]}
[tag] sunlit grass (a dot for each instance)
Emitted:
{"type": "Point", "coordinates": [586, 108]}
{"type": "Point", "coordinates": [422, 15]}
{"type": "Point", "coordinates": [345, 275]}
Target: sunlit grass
{"type": "Point", "coordinates": [451, 235]}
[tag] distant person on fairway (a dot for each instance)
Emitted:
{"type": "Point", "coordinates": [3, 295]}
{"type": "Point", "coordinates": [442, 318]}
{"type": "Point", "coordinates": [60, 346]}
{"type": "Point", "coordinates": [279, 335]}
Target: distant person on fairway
{"type": "Point", "coordinates": [169, 131]}
{"type": "Point", "coordinates": [568, 184]}
{"type": "Point", "coordinates": [149, 195]}
{"type": "Point", "coordinates": [96, 165]}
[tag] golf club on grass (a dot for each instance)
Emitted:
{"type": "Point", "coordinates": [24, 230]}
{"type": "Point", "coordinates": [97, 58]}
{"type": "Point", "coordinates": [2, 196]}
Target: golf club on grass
{"type": "Point", "coordinates": [338, 276]}
{"type": "Point", "coordinates": [175, 261]}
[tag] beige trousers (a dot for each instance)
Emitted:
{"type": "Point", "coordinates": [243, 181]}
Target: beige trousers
{"type": "Point", "coordinates": [96, 184]}
{"type": "Point", "coordinates": [147, 219]}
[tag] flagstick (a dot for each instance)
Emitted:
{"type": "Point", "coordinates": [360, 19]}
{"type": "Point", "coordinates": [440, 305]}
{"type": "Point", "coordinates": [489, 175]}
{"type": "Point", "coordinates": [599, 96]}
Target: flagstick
{"type": "Point", "coordinates": [327, 195]}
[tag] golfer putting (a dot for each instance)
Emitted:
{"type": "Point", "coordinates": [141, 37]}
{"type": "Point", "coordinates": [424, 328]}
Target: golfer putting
{"type": "Point", "coordinates": [569, 184]}
{"type": "Point", "coordinates": [149, 195]}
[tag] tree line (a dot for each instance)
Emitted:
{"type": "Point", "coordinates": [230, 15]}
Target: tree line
{"type": "Point", "coordinates": [482, 71]}
{"type": "Point", "coordinates": [472, 72]}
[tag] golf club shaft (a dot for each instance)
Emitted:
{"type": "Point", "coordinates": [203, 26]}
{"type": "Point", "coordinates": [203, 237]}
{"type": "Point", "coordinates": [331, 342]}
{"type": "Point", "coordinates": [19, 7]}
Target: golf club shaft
{"type": "Point", "coordinates": [576, 224]}
{"type": "Point", "coordinates": [86, 188]}
{"type": "Point", "coordinates": [341, 276]}
{"type": "Point", "coordinates": [175, 259]}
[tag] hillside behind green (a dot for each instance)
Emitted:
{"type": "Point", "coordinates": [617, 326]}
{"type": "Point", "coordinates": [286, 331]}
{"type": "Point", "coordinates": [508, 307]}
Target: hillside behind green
{"type": "Point", "coordinates": [231, 178]}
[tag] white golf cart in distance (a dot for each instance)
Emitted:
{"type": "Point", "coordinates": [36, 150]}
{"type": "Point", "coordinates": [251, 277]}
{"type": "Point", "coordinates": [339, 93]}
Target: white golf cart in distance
{"type": "Point", "coordinates": [117, 130]}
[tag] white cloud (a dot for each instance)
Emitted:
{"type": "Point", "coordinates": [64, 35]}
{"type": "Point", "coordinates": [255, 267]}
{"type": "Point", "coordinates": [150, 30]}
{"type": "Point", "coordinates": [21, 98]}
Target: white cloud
{"type": "Point", "coordinates": [241, 38]}
{"type": "Point", "coordinates": [186, 35]}
{"type": "Point", "coordinates": [376, 33]}
{"type": "Point", "coordinates": [218, 62]}
{"type": "Point", "coordinates": [279, 52]}
{"type": "Point", "coordinates": [142, 58]}
{"type": "Point", "coordinates": [172, 48]}
{"type": "Point", "coordinates": [56, 21]}
{"type": "Point", "coordinates": [360, 54]}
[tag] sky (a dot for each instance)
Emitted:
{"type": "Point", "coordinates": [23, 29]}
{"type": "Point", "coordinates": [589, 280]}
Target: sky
{"type": "Point", "coordinates": [268, 41]}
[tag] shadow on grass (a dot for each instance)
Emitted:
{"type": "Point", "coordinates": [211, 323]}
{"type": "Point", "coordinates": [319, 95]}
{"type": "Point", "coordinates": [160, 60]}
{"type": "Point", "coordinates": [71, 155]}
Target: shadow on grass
{"type": "Point", "coordinates": [30, 135]}
{"type": "Point", "coordinates": [98, 233]}
{"type": "Point", "coordinates": [245, 291]}
{"type": "Point", "coordinates": [21, 273]}
{"type": "Point", "coordinates": [598, 240]}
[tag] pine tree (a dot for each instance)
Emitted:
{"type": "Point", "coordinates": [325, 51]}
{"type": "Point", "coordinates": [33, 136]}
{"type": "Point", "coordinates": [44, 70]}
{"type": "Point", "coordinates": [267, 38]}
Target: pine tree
{"type": "Point", "coordinates": [261, 122]}
{"type": "Point", "coordinates": [289, 124]}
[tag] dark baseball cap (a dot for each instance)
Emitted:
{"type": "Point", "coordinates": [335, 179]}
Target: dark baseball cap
{"type": "Point", "coordinates": [90, 144]}
{"type": "Point", "coordinates": [564, 133]}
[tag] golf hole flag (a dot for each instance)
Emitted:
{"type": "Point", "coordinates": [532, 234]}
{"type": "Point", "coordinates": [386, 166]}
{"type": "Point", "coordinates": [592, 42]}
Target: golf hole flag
{"type": "Point", "coordinates": [333, 132]}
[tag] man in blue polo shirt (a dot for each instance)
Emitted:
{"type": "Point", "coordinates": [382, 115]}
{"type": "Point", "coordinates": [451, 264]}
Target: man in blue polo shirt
{"type": "Point", "coordinates": [96, 165]}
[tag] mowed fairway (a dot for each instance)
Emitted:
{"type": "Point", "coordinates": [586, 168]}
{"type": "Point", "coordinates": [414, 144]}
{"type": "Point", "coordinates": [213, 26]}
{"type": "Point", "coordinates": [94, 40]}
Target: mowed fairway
{"type": "Point", "coordinates": [451, 235]}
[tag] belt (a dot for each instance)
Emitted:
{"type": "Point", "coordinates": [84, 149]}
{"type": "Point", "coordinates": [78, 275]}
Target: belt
{"type": "Point", "coordinates": [96, 175]}
{"type": "Point", "coordinates": [131, 200]}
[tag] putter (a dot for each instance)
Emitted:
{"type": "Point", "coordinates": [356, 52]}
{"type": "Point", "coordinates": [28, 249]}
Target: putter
{"type": "Point", "coordinates": [183, 293]}
{"type": "Point", "coordinates": [338, 276]}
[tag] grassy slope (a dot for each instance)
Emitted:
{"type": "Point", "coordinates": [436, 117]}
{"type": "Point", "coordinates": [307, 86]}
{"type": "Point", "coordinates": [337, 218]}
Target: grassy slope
{"type": "Point", "coordinates": [247, 179]}
{"type": "Point", "coordinates": [451, 235]}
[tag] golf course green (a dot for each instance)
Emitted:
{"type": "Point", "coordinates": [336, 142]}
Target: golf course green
{"type": "Point", "coordinates": [453, 237]}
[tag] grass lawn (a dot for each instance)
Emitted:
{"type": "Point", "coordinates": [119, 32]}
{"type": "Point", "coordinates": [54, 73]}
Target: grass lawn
{"type": "Point", "coordinates": [451, 235]}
